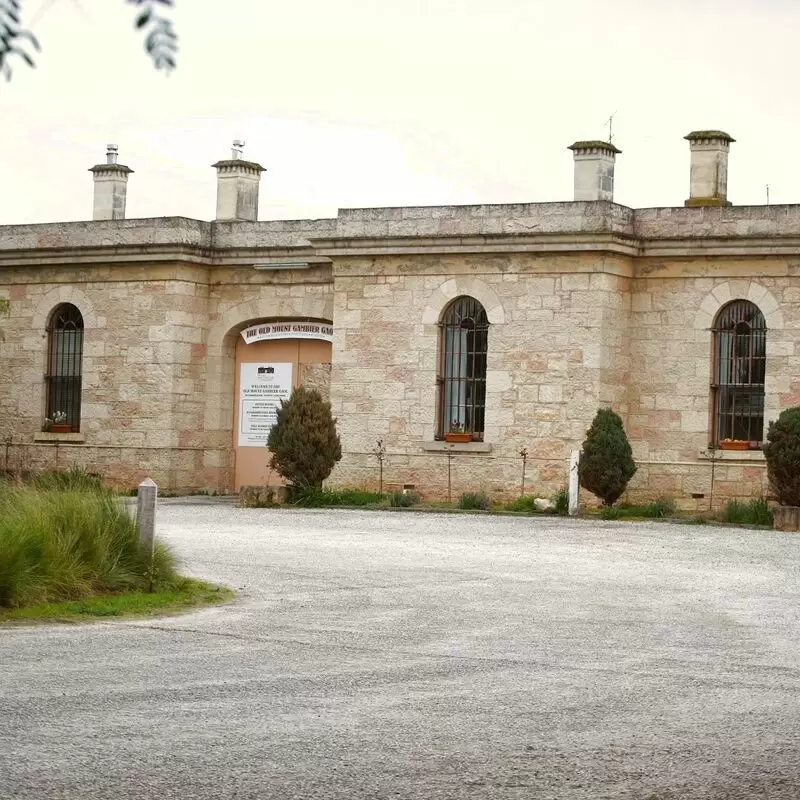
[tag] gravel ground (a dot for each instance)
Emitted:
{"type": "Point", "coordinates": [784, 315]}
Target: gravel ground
{"type": "Point", "coordinates": [398, 655]}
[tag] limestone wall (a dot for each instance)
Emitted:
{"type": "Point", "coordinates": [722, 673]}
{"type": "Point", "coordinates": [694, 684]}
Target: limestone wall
{"type": "Point", "coordinates": [557, 349]}
{"type": "Point", "coordinates": [157, 390]}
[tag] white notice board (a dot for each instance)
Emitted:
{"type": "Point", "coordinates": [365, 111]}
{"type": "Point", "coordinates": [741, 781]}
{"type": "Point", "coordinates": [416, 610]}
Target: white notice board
{"type": "Point", "coordinates": [261, 389]}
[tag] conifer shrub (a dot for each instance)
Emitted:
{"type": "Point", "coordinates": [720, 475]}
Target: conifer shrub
{"type": "Point", "coordinates": [606, 463]}
{"type": "Point", "coordinates": [782, 452]}
{"type": "Point", "coordinates": [304, 443]}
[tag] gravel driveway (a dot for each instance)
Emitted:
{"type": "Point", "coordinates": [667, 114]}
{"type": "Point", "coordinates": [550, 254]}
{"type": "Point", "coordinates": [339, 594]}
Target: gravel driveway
{"type": "Point", "coordinates": [399, 655]}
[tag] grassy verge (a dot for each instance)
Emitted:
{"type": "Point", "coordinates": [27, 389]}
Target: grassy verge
{"type": "Point", "coordinates": [184, 595]}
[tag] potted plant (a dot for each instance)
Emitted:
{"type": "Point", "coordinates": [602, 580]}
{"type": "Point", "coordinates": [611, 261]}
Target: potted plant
{"type": "Point", "coordinates": [457, 433]}
{"type": "Point", "coordinates": [59, 423]}
{"type": "Point", "coordinates": [734, 444]}
{"type": "Point", "coordinates": [782, 454]}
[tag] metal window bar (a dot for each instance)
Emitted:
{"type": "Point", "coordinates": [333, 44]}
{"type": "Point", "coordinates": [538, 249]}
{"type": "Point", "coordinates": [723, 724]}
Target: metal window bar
{"type": "Point", "coordinates": [64, 365]}
{"type": "Point", "coordinates": [740, 338]}
{"type": "Point", "coordinates": [462, 368]}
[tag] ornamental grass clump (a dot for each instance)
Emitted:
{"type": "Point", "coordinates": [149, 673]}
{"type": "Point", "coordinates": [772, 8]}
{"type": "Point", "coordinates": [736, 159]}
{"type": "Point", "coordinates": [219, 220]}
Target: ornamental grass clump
{"type": "Point", "coordinates": [782, 453]}
{"type": "Point", "coordinates": [64, 545]}
{"type": "Point", "coordinates": [303, 441]}
{"type": "Point", "coordinates": [606, 463]}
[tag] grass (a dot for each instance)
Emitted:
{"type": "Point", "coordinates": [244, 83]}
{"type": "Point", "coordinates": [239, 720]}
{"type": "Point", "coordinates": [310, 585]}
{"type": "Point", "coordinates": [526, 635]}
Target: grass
{"type": "Point", "coordinates": [320, 498]}
{"type": "Point", "coordinates": [523, 504]}
{"type": "Point", "coordinates": [561, 501]}
{"type": "Point", "coordinates": [754, 512]}
{"type": "Point", "coordinates": [403, 499]}
{"type": "Point", "coordinates": [475, 500]}
{"type": "Point", "coordinates": [183, 595]}
{"type": "Point", "coordinates": [64, 545]}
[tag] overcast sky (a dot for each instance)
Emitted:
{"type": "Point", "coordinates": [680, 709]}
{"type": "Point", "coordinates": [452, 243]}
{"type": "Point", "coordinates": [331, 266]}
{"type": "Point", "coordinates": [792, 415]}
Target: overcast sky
{"type": "Point", "coordinates": [421, 102]}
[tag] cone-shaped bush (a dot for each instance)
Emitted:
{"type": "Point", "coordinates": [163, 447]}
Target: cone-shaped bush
{"type": "Point", "coordinates": [304, 443]}
{"type": "Point", "coordinates": [606, 463]}
{"type": "Point", "coordinates": [782, 452]}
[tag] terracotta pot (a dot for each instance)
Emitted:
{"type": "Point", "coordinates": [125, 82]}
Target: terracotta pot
{"type": "Point", "coordinates": [786, 518]}
{"type": "Point", "coordinates": [60, 428]}
{"type": "Point", "coordinates": [734, 445]}
{"type": "Point", "coordinates": [461, 438]}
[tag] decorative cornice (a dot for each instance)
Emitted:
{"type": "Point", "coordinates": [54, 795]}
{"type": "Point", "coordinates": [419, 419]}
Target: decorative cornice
{"type": "Point", "coordinates": [707, 137]}
{"type": "Point", "coordinates": [239, 165]}
{"type": "Point", "coordinates": [593, 146]}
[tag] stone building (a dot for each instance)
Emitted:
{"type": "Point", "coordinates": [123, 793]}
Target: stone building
{"type": "Point", "coordinates": [160, 346]}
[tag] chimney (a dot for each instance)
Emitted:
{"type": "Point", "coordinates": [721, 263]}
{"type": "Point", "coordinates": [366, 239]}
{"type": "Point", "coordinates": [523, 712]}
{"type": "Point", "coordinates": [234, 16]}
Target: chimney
{"type": "Point", "coordinates": [594, 170]}
{"type": "Point", "coordinates": [709, 172]}
{"type": "Point", "coordinates": [110, 187]}
{"type": "Point", "coordinates": [237, 186]}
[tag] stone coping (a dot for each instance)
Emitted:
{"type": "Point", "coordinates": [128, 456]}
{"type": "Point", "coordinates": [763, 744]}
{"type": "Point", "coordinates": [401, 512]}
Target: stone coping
{"type": "Point", "coordinates": [462, 447]}
{"type": "Point", "coordinates": [59, 438]}
{"type": "Point", "coordinates": [733, 455]}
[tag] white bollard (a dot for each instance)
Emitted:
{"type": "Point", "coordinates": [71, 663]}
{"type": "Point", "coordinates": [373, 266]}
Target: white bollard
{"type": "Point", "coordinates": [574, 486]}
{"type": "Point", "coordinates": [146, 515]}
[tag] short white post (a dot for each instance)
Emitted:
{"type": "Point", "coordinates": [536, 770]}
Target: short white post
{"type": "Point", "coordinates": [574, 487]}
{"type": "Point", "coordinates": [146, 519]}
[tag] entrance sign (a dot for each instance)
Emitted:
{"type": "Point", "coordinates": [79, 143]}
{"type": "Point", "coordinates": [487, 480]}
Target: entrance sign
{"type": "Point", "coordinates": [288, 329]}
{"type": "Point", "coordinates": [261, 389]}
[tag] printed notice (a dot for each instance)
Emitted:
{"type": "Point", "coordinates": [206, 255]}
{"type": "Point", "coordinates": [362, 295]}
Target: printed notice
{"type": "Point", "coordinates": [261, 389]}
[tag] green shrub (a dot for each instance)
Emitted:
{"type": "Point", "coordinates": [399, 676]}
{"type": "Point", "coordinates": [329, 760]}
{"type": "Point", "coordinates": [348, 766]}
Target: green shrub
{"type": "Point", "coordinates": [609, 512]}
{"type": "Point", "coordinates": [303, 441]}
{"type": "Point", "coordinates": [606, 464]}
{"type": "Point", "coordinates": [782, 452]}
{"type": "Point", "coordinates": [697, 520]}
{"type": "Point", "coordinates": [754, 512]}
{"type": "Point", "coordinates": [735, 511]}
{"type": "Point", "coordinates": [659, 509]}
{"type": "Point", "coordinates": [758, 512]}
{"type": "Point", "coordinates": [524, 504]}
{"type": "Point", "coordinates": [561, 501]}
{"type": "Point", "coordinates": [400, 499]}
{"type": "Point", "coordinates": [62, 545]}
{"type": "Point", "coordinates": [475, 500]}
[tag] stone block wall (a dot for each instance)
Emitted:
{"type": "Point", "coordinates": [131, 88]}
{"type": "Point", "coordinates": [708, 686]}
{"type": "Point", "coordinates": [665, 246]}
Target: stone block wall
{"type": "Point", "coordinates": [558, 348]}
{"type": "Point", "coordinates": [157, 388]}
{"type": "Point", "coordinates": [669, 423]}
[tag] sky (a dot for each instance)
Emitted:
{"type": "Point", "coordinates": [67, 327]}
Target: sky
{"type": "Point", "coordinates": [360, 103]}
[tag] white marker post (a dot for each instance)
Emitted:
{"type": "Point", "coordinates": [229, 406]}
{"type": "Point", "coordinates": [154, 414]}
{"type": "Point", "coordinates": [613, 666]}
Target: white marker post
{"type": "Point", "coordinates": [574, 486]}
{"type": "Point", "coordinates": [146, 519]}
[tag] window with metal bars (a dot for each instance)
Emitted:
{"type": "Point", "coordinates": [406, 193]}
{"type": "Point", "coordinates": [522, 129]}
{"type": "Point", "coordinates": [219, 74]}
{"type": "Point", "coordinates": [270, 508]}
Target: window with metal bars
{"type": "Point", "coordinates": [740, 338]}
{"type": "Point", "coordinates": [461, 377]}
{"type": "Point", "coordinates": [64, 360]}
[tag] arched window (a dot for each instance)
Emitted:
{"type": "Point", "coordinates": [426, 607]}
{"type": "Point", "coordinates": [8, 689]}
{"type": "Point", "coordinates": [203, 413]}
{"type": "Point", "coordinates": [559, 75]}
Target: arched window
{"type": "Point", "coordinates": [64, 358]}
{"type": "Point", "coordinates": [740, 337]}
{"type": "Point", "coordinates": [462, 368]}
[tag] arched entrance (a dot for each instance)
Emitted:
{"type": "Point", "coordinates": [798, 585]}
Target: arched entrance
{"type": "Point", "coordinates": [272, 358]}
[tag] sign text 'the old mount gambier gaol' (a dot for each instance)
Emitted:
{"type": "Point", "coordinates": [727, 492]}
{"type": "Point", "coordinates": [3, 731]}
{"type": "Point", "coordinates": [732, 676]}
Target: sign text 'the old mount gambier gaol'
{"type": "Point", "coordinates": [288, 329]}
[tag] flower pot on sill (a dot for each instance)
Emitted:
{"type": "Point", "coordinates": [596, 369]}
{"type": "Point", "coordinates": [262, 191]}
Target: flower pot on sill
{"type": "Point", "coordinates": [61, 428]}
{"type": "Point", "coordinates": [737, 444]}
{"type": "Point", "coordinates": [458, 438]}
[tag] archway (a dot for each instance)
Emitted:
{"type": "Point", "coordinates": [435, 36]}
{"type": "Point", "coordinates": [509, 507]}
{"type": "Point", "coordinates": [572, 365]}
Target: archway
{"type": "Point", "coordinates": [272, 357]}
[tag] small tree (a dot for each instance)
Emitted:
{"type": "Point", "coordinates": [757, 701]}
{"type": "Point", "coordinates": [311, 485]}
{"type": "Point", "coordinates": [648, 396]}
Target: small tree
{"type": "Point", "coordinates": [304, 443]}
{"type": "Point", "coordinates": [782, 452]}
{"type": "Point", "coordinates": [606, 463]}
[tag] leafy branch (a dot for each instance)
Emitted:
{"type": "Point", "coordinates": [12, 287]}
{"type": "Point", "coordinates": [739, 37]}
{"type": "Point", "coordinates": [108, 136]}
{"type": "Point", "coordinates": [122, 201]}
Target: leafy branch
{"type": "Point", "coordinates": [160, 39]}
{"type": "Point", "coordinates": [13, 36]}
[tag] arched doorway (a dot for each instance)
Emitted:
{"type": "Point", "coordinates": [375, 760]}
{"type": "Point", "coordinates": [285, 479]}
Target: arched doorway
{"type": "Point", "coordinates": [272, 358]}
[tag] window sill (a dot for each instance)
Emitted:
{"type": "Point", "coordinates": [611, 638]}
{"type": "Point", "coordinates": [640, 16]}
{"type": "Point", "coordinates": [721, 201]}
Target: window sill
{"type": "Point", "coordinates": [60, 438]}
{"type": "Point", "coordinates": [732, 455]}
{"type": "Point", "coordinates": [463, 447]}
